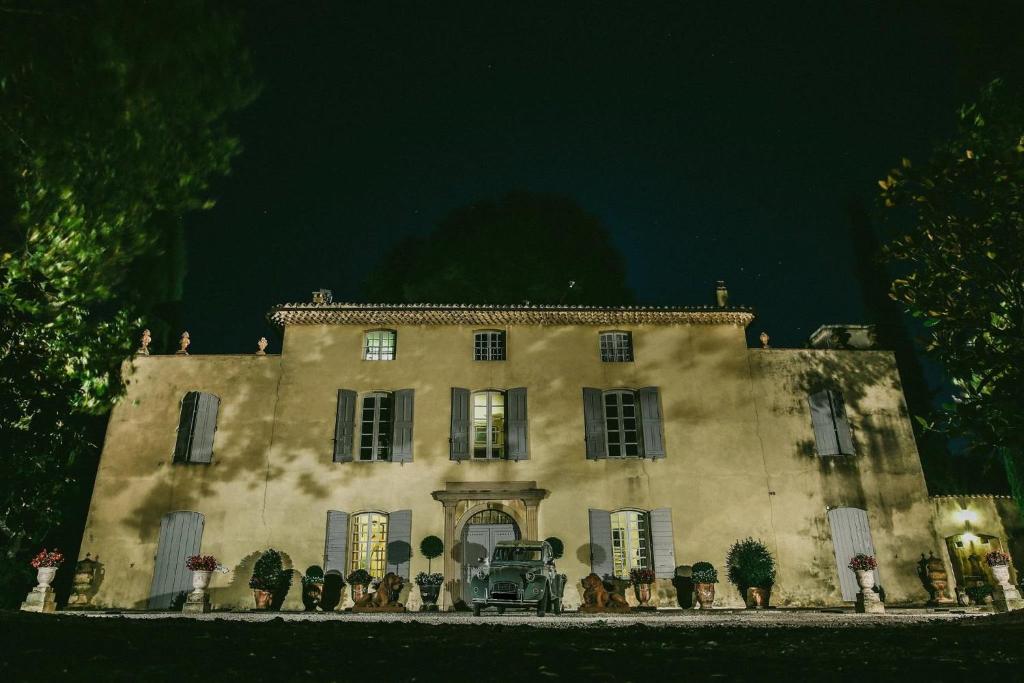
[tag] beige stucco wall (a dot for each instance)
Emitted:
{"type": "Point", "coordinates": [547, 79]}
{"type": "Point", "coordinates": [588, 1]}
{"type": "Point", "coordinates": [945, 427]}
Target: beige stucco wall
{"type": "Point", "coordinates": [981, 515]}
{"type": "Point", "coordinates": [737, 431]}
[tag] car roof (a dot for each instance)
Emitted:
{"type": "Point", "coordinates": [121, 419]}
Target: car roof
{"type": "Point", "coordinates": [521, 544]}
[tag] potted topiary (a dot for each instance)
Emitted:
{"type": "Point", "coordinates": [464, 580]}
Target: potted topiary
{"type": "Point", "coordinates": [431, 547]}
{"type": "Point", "coordinates": [642, 578]}
{"type": "Point", "coordinates": [704, 576]}
{"type": "Point", "coordinates": [46, 564]}
{"type": "Point", "coordinates": [752, 570]}
{"type": "Point", "coordinates": [557, 547]}
{"type": "Point", "coordinates": [269, 578]}
{"type": "Point", "coordinates": [864, 567]}
{"type": "Point", "coordinates": [430, 586]}
{"type": "Point", "coordinates": [312, 588]}
{"type": "Point", "coordinates": [360, 580]}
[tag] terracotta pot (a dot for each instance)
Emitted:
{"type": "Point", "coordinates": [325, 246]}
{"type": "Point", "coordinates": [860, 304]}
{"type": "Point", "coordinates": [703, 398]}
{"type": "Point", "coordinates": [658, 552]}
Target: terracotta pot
{"type": "Point", "coordinates": [1001, 572]}
{"type": "Point", "coordinates": [865, 579]}
{"type": "Point", "coordinates": [44, 575]}
{"type": "Point", "coordinates": [758, 597]}
{"type": "Point", "coordinates": [201, 579]}
{"type": "Point", "coordinates": [705, 594]}
{"type": "Point", "coordinates": [358, 591]}
{"type": "Point", "coordinates": [262, 598]}
{"type": "Point", "coordinates": [643, 593]}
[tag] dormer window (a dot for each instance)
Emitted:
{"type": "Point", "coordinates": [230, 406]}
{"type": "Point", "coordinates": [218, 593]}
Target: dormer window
{"type": "Point", "coordinates": [616, 347]}
{"type": "Point", "coordinates": [379, 345]}
{"type": "Point", "coordinates": [489, 345]}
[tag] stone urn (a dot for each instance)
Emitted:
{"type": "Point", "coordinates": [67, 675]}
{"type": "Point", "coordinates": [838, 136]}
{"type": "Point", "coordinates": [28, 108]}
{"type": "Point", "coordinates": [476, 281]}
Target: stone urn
{"type": "Point", "coordinates": [643, 593]}
{"type": "Point", "coordinates": [758, 597]}
{"type": "Point", "coordinates": [705, 593]}
{"type": "Point", "coordinates": [201, 579]}
{"type": "Point", "coordinates": [85, 573]}
{"type": "Point", "coordinates": [428, 594]}
{"type": "Point", "coordinates": [936, 581]}
{"type": "Point", "coordinates": [311, 595]}
{"type": "Point", "coordinates": [865, 579]}
{"type": "Point", "coordinates": [1001, 573]}
{"type": "Point", "coordinates": [44, 575]}
{"type": "Point", "coordinates": [263, 598]}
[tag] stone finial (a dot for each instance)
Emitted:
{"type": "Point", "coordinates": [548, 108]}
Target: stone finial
{"type": "Point", "coordinates": [145, 341]}
{"type": "Point", "coordinates": [721, 294]}
{"type": "Point", "coordinates": [261, 347]}
{"type": "Point", "coordinates": [323, 296]}
{"type": "Point", "coordinates": [764, 340]}
{"type": "Point", "coordinates": [184, 342]}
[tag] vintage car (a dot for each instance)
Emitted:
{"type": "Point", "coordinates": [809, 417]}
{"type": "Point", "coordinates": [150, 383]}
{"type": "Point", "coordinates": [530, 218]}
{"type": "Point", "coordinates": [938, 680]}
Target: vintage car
{"type": "Point", "coordinates": [519, 574]}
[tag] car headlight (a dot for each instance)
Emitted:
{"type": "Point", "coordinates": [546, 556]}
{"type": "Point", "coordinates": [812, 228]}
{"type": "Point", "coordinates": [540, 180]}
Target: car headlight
{"type": "Point", "coordinates": [481, 575]}
{"type": "Point", "coordinates": [530, 576]}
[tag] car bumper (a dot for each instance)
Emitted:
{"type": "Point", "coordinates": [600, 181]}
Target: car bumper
{"type": "Point", "coordinates": [491, 602]}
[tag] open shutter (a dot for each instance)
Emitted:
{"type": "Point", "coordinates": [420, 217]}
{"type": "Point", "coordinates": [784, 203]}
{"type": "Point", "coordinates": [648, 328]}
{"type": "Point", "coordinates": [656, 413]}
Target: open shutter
{"type": "Point", "coordinates": [336, 542]}
{"type": "Point", "coordinates": [850, 535]}
{"type": "Point", "coordinates": [844, 435]}
{"type": "Point", "coordinates": [205, 427]}
{"type": "Point", "coordinates": [401, 440]}
{"type": "Point", "coordinates": [186, 426]}
{"type": "Point", "coordinates": [651, 422]}
{"type": "Point", "coordinates": [459, 438]}
{"type": "Point", "coordinates": [662, 543]}
{"type": "Point", "coordinates": [593, 424]}
{"type": "Point", "coordinates": [399, 542]}
{"type": "Point", "coordinates": [515, 422]}
{"type": "Point", "coordinates": [824, 428]}
{"type": "Point", "coordinates": [344, 425]}
{"type": "Point", "coordinates": [601, 542]}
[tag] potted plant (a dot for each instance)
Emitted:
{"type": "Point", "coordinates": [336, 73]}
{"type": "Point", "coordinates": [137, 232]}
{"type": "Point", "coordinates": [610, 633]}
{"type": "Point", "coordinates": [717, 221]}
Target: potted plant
{"type": "Point", "coordinates": [430, 586]}
{"type": "Point", "coordinates": [202, 567]}
{"type": "Point", "coordinates": [312, 588]}
{"type": "Point", "coordinates": [642, 578]}
{"type": "Point", "coordinates": [864, 567]}
{"type": "Point", "coordinates": [268, 578]}
{"type": "Point", "coordinates": [431, 547]}
{"type": "Point", "coordinates": [999, 563]}
{"type": "Point", "coordinates": [360, 580]}
{"type": "Point", "coordinates": [751, 569]}
{"type": "Point", "coordinates": [704, 576]}
{"type": "Point", "coordinates": [46, 564]}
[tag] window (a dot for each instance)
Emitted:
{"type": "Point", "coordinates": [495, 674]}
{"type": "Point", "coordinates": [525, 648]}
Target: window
{"type": "Point", "coordinates": [616, 347]}
{"type": "Point", "coordinates": [631, 543]}
{"type": "Point", "coordinates": [621, 424]}
{"type": "Point", "coordinates": [832, 434]}
{"type": "Point", "coordinates": [489, 345]}
{"type": "Point", "coordinates": [369, 543]}
{"type": "Point", "coordinates": [375, 427]}
{"type": "Point", "coordinates": [488, 424]}
{"type": "Point", "coordinates": [197, 424]}
{"type": "Point", "coordinates": [380, 345]}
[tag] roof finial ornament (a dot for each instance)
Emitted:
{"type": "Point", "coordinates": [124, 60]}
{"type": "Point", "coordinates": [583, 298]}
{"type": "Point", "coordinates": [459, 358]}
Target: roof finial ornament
{"type": "Point", "coordinates": [261, 347]}
{"type": "Point", "coordinates": [145, 341]}
{"type": "Point", "coordinates": [184, 342]}
{"type": "Point", "coordinates": [764, 340]}
{"type": "Point", "coordinates": [323, 296]}
{"type": "Point", "coordinates": [721, 294]}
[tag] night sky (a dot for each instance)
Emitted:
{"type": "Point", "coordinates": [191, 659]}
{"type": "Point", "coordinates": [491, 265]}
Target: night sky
{"type": "Point", "coordinates": [715, 142]}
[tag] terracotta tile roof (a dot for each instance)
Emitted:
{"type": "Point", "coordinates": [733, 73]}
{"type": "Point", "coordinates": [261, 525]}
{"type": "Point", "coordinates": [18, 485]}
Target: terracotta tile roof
{"type": "Point", "coordinates": [503, 314]}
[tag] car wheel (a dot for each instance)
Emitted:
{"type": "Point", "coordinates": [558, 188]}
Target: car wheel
{"type": "Point", "coordinates": [476, 609]}
{"type": "Point", "coordinates": [542, 605]}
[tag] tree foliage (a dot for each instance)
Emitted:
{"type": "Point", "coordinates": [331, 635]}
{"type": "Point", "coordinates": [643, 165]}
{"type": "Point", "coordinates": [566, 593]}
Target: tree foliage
{"type": "Point", "coordinates": [961, 255]}
{"type": "Point", "coordinates": [113, 117]}
{"type": "Point", "coordinates": [519, 247]}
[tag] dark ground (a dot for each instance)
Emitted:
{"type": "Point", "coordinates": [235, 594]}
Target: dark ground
{"type": "Point", "coordinates": [45, 647]}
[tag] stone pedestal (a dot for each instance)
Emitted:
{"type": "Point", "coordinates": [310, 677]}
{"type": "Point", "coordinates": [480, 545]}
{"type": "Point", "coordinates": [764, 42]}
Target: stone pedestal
{"type": "Point", "coordinates": [868, 602]}
{"type": "Point", "coordinates": [40, 599]}
{"type": "Point", "coordinates": [1005, 598]}
{"type": "Point", "coordinates": [198, 602]}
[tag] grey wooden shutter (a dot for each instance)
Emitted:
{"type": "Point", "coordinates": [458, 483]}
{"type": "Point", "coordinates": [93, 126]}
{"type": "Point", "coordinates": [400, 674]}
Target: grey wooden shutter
{"type": "Point", "coordinates": [844, 435]}
{"type": "Point", "coordinates": [593, 424]}
{"type": "Point", "coordinates": [663, 543]}
{"type": "Point", "coordinates": [515, 422]}
{"type": "Point", "coordinates": [601, 542]}
{"type": "Point", "coordinates": [186, 426]}
{"type": "Point", "coordinates": [336, 542]}
{"type": "Point", "coordinates": [181, 535]}
{"type": "Point", "coordinates": [459, 438]}
{"type": "Point", "coordinates": [344, 425]}
{"type": "Point", "coordinates": [850, 536]}
{"type": "Point", "coordinates": [651, 422]}
{"type": "Point", "coordinates": [399, 542]}
{"type": "Point", "coordinates": [401, 438]}
{"type": "Point", "coordinates": [824, 427]}
{"type": "Point", "coordinates": [205, 428]}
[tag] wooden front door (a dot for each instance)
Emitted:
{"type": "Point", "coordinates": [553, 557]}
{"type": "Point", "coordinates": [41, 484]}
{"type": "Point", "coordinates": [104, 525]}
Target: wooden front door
{"type": "Point", "coordinates": [480, 542]}
{"type": "Point", "coordinates": [181, 535]}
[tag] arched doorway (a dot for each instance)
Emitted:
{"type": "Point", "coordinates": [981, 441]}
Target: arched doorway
{"type": "Point", "coordinates": [480, 534]}
{"type": "Point", "coordinates": [967, 556]}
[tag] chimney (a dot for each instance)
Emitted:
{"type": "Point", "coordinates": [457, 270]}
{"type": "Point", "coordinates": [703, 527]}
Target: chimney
{"type": "Point", "coordinates": [721, 294]}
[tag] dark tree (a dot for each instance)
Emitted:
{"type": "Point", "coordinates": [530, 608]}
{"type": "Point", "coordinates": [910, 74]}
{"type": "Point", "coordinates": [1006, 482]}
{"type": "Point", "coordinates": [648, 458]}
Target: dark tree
{"type": "Point", "coordinates": [540, 248]}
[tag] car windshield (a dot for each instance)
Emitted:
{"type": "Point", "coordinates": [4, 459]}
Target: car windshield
{"type": "Point", "coordinates": [517, 554]}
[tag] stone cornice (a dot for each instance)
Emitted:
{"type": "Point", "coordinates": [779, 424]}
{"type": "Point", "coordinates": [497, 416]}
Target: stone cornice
{"type": "Point", "coordinates": [495, 314]}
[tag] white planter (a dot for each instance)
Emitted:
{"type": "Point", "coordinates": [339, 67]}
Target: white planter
{"type": "Point", "coordinates": [44, 575]}
{"type": "Point", "coordinates": [201, 579]}
{"type": "Point", "coordinates": [865, 579]}
{"type": "Point", "coordinates": [1001, 572]}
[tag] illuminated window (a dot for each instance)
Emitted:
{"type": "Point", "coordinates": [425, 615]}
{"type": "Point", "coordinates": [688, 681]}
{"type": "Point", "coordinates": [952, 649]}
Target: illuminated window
{"type": "Point", "coordinates": [616, 347]}
{"type": "Point", "coordinates": [369, 543]}
{"type": "Point", "coordinates": [489, 424]}
{"type": "Point", "coordinates": [375, 427]}
{"type": "Point", "coordinates": [380, 345]}
{"type": "Point", "coordinates": [621, 422]}
{"type": "Point", "coordinates": [631, 543]}
{"type": "Point", "coordinates": [489, 345]}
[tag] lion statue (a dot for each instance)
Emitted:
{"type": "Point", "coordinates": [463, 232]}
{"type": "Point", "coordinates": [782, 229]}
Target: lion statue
{"type": "Point", "coordinates": [597, 598]}
{"type": "Point", "coordinates": [382, 599]}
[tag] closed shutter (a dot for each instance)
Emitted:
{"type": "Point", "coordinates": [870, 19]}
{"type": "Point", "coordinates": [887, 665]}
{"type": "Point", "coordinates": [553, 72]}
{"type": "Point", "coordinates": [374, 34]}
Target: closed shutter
{"type": "Point", "coordinates": [850, 536]}
{"type": "Point", "coordinates": [186, 426]}
{"type": "Point", "coordinates": [181, 535]}
{"type": "Point", "coordinates": [344, 425]}
{"type": "Point", "coordinates": [651, 422]}
{"type": "Point", "coordinates": [515, 421]}
{"type": "Point", "coordinates": [601, 542]}
{"type": "Point", "coordinates": [663, 543]}
{"type": "Point", "coordinates": [844, 435]}
{"type": "Point", "coordinates": [401, 444]}
{"type": "Point", "coordinates": [400, 542]}
{"type": "Point", "coordinates": [824, 428]}
{"type": "Point", "coordinates": [593, 424]}
{"type": "Point", "coordinates": [336, 542]}
{"type": "Point", "coordinates": [459, 438]}
{"type": "Point", "coordinates": [206, 427]}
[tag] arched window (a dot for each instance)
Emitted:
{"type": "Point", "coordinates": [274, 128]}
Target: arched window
{"type": "Point", "coordinates": [379, 345]}
{"type": "Point", "coordinates": [375, 426]}
{"type": "Point", "coordinates": [368, 544]}
{"type": "Point", "coordinates": [616, 347]}
{"type": "Point", "coordinates": [631, 541]}
{"type": "Point", "coordinates": [621, 423]}
{"type": "Point", "coordinates": [489, 345]}
{"type": "Point", "coordinates": [489, 424]}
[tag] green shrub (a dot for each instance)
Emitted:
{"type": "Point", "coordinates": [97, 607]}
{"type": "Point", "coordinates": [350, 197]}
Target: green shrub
{"type": "Point", "coordinates": [313, 574]}
{"type": "Point", "coordinates": [750, 565]}
{"type": "Point", "coordinates": [557, 547]}
{"type": "Point", "coordinates": [704, 572]}
{"type": "Point", "coordinates": [269, 573]}
{"type": "Point", "coordinates": [359, 577]}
